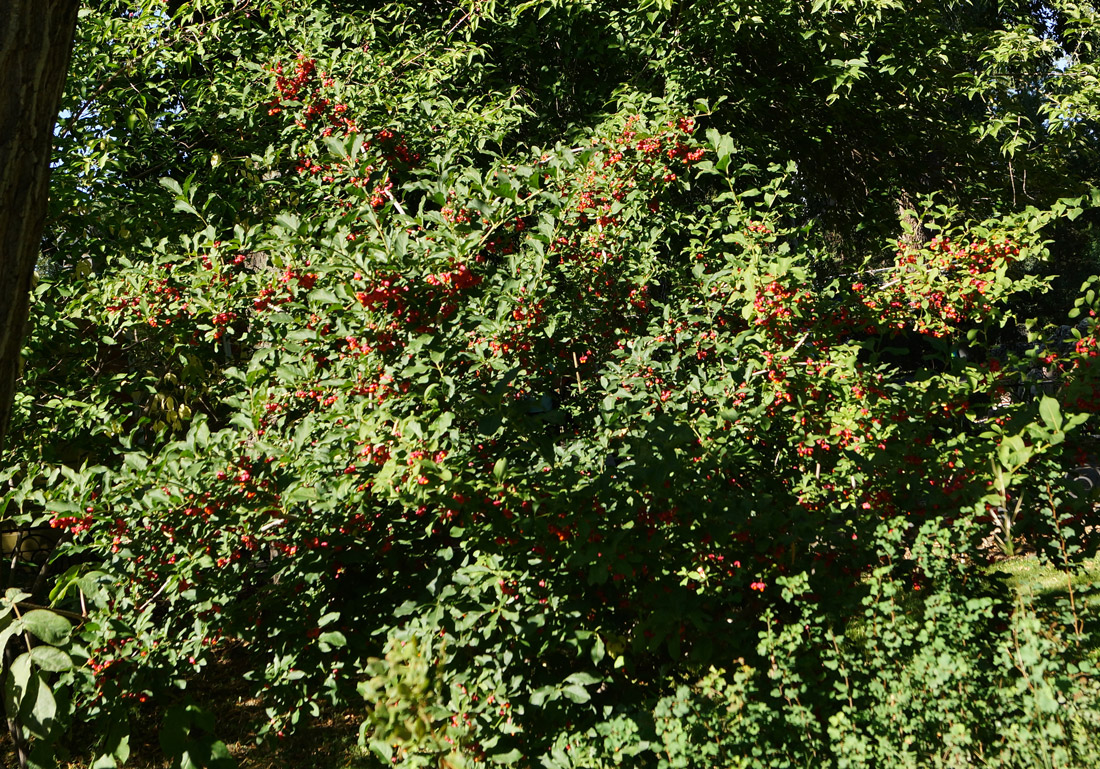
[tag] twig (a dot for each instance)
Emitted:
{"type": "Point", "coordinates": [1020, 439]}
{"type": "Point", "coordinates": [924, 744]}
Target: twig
{"type": "Point", "coordinates": [396, 205]}
{"type": "Point", "coordinates": [18, 616]}
{"type": "Point", "coordinates": [843, 671]}
{"type": "Point", "coordinates": [61, 612]}
{"type": "Point", "coordinates": [1077, 624]}
{"type": "Point", "coordinates": [800, 343]}
{"type": "Point", "coordinates": [457, 24]}
{"type": "Point", "coordinates": [154, 596]}
{"type": "Point", "coordinates": [15, 729]}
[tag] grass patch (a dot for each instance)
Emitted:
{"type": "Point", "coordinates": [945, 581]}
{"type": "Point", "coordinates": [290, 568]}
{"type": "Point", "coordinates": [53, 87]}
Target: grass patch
{"type": "Point", "coordinates": [1028, 577]}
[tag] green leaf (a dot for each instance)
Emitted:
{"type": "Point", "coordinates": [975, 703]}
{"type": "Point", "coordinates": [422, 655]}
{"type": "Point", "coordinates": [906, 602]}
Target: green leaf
{"type": "Point", "coordinates": [511, 757]}
{"type": "Point", "coordinates": [326, 642]}
{"type": "Point", "coordinates": [598, 650]}
{"type": "Point", "coordinates": [489, 424]}
{"type": "Point", "coordinates": [186, 736]}
{"type": "Point", "coordinates": [16, 683]}
{"type": "Point", "coordinates": [14, 595]}
{"type": "Point", "coordinates": [1013, 452]}
{"type": "Point", "coordinates": [171, 185]}
{"type": "Point", "coordinates": [184, 206]}
{"type": "Point", "coordinates": [51, 659]}
{"type": "Point", "coordinates": [576, 693]}
{"type": "Point", "coordinates": [289, 222]}
{"type": "Point", "coordinates": [1051, 413]}
{"type": "Point", "coordinates": [135, 462]}
{"type": "Point", "coordinates": [47, 626]}
{"type": "Point", "coordinates": [39, 707]}
{"type": "Point", "coordinates": [336, 147]}
{"type": "Point", "coordinates": [116, 747]}
{"type": "Point", "coordinates": [543, 695]}
{"type": "Point", "coordinates": [11, 627]}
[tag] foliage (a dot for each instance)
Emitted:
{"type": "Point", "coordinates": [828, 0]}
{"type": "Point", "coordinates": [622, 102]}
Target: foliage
{"type": "Point", "coordinates": [572, 410]}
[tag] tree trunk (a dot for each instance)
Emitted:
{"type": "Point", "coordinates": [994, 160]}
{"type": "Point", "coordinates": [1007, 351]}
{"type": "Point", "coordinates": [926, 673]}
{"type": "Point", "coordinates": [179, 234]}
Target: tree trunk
{"type": "Point", "coordinates": [36, 38]}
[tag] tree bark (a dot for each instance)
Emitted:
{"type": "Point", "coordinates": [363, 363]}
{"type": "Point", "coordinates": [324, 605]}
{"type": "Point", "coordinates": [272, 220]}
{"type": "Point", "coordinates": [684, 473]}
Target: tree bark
{"type": "Point", "coordinates": [36, 38]}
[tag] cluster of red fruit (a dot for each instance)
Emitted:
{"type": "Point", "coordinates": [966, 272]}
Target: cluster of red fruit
{"type": "Point", "coordinates": [934, 289]}
{"type": "Point", "coordinates": [72, 523]}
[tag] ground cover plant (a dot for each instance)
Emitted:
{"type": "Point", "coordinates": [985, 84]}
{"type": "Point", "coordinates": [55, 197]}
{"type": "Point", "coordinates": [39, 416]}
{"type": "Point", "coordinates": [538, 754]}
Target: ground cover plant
{"type": "Point", "coordinates": [565, 384]}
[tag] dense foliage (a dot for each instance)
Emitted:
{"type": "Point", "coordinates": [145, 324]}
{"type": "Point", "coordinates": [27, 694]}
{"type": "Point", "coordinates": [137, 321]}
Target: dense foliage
{"type": "Point", "coordinates": [568, 383]}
